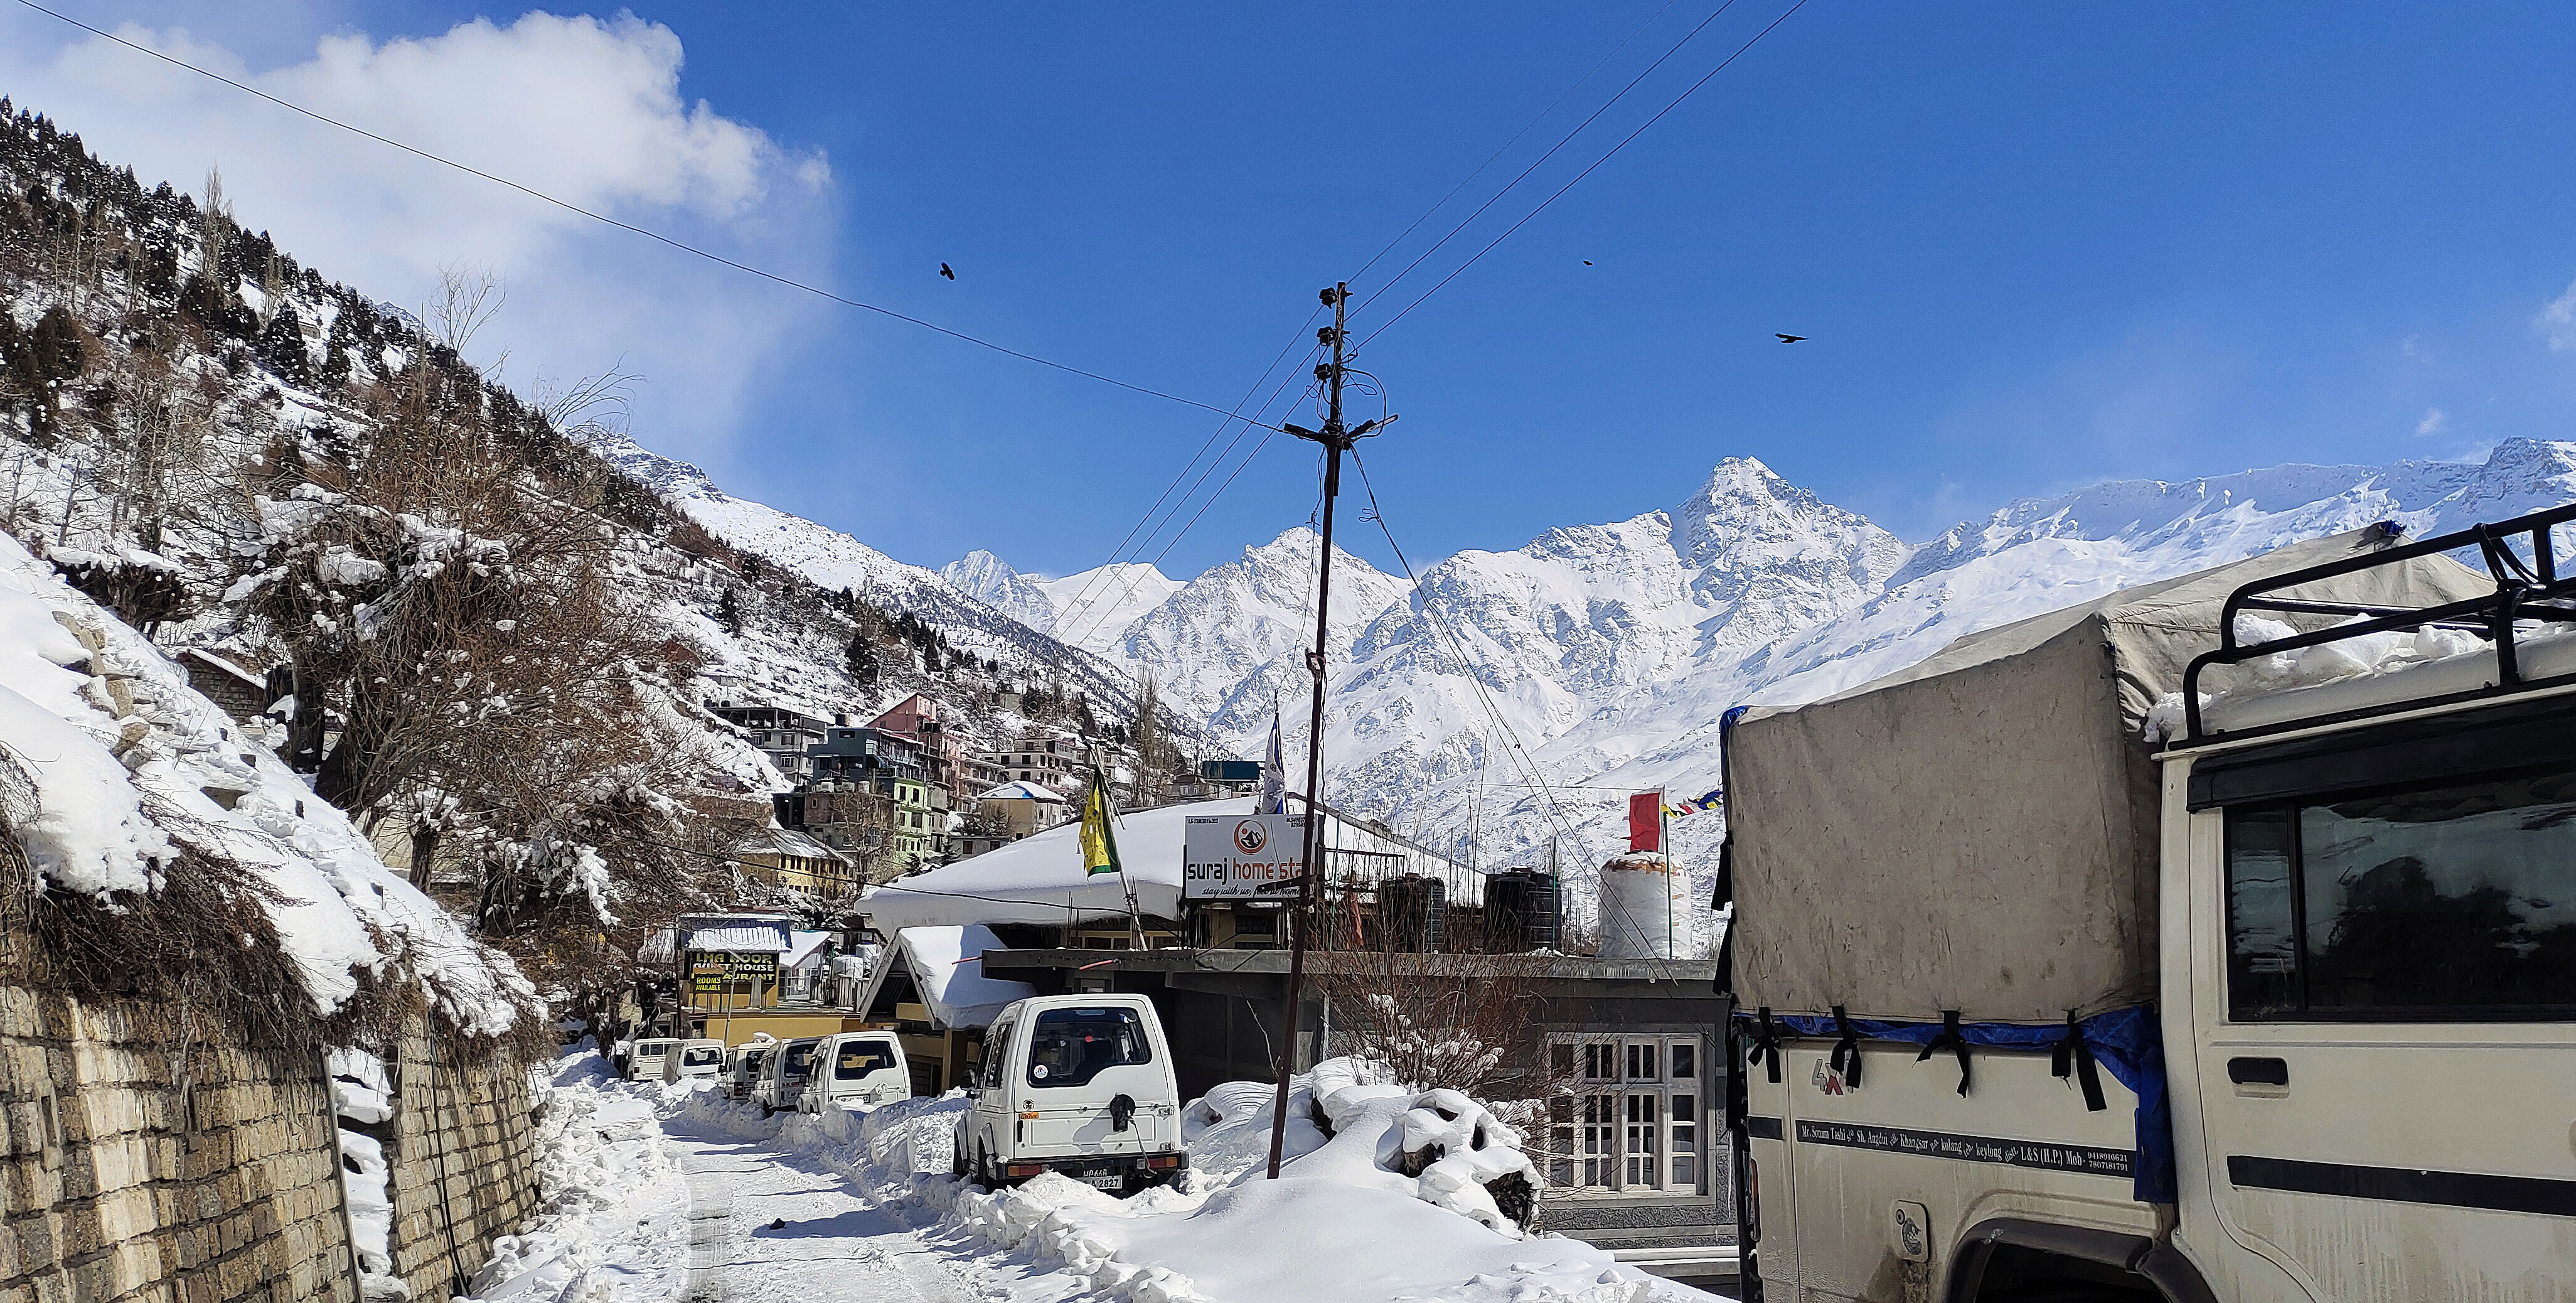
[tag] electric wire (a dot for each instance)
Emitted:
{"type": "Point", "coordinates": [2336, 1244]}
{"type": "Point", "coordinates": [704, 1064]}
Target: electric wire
{"type": "Point", "coordinates": [1562, 142]}
{"type": "Point", "coordinates": [656, 236]}
{"type": "Point", "coordinates": [1596, 163]}
{"type": "Point", "coordinates": [1073, 610]}
{"type": "Point", "coordinates": [1518, 754]}
{"type": "Point", "coordinates": [1081, 599]}
{"type": "Point", "coordinates": [1506, 146]}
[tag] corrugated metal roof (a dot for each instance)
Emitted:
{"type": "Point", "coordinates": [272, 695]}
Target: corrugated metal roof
{"type": "Point", "coordinates": [742, 935]}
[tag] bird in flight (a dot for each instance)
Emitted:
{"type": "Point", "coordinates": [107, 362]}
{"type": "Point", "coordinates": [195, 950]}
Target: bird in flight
{"type": "Point", "coordinates": [1789, 339]}
{"type": "Point", "coordinates": [1587, 262]}
{"type": "Point", "coordinates": [943, 270]}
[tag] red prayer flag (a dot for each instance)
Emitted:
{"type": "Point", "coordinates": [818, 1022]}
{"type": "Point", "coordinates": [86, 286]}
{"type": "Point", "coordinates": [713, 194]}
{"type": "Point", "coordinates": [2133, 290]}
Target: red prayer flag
{"type": "Point", "coordinates": [1646, 821]}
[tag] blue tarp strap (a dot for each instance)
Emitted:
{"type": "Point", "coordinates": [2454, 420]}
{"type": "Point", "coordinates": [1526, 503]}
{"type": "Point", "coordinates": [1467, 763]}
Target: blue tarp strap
{"type": "Point", "coordinates": [1846, 1050]}
{"type": "Point", "coordinates": [2126, 1041]}
{"type": "Point", "coordinates": [2073, 1053]}
{"type": "Point", "coordinates": [1951, 1039]}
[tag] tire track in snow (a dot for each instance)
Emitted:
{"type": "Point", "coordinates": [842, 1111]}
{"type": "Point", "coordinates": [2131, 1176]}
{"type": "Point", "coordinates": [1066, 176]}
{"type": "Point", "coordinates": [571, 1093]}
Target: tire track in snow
{"type": "Point", "coordinates": [710, 1231]}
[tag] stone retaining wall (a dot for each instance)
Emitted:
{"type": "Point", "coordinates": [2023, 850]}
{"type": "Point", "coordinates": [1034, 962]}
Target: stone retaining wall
{"type": "Point", "coordinates": [142, 1158]}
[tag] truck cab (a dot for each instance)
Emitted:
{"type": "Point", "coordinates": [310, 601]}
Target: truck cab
{"type": "Point", "coordinates": [1079, 1084]}
{"type": "Point", "coordinates": [2315, 973]}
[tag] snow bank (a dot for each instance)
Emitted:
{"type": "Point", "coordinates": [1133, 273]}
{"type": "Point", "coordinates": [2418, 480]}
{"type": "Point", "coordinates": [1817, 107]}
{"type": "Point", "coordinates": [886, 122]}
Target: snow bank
{"type": "Point", "coordinates": [107, 755]}
{"type": "Point", "coordinates": [604, 1176]}
{"type": "Point", "coordinates": [1231, 1234]}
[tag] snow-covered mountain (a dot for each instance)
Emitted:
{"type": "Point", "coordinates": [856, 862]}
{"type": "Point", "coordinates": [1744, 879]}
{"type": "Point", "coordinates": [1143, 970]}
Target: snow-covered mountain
{"type": "Point", "coordinates": [2032, 556]}
{"type": "Point", "coordinates": [984, 622]}
{"type": "Point", "coordinates": [1090, 610]}
{"type": "Point", "coordinates": [1606, 653]}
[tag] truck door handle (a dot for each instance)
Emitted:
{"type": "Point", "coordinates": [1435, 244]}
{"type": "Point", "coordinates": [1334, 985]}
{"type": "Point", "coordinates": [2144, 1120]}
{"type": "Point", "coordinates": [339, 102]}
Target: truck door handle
{"type": "Point", "coordinates": [2259, 1072]}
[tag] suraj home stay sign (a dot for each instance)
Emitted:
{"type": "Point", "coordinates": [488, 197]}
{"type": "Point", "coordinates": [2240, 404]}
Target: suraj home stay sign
{"type": "Point", "coordinates": [1240, 856]}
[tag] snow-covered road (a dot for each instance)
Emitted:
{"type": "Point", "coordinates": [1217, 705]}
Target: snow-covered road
{"type": "Point", "coordinates": [769, 1225]}
{"type": "Point", "coordinates": [667, 1194]}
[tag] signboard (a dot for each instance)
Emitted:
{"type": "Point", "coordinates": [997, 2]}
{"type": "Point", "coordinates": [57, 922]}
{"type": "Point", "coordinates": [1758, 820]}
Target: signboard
{"type": "Point", "coordinates": [735, 963]}
{"type": "Point", "coordinates": [1241, 856]}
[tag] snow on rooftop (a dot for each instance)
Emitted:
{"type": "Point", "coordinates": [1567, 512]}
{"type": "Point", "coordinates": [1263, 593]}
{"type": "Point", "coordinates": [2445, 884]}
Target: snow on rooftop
{"type": "Point", "coordinates": [1022, 791]}
{"type": "Point", "coordinates": [801, 946]}
{"type": "Point", "coordinates": [952, 986]}
{"type": "Point", "coordinates": [1039, 879]}
{"type": "Point", "coordinates": [741, 935]}
{"type": "Point", "coordinates": [104, 749]}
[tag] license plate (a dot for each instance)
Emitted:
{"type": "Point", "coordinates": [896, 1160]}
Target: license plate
{"type": "Point", "coordinates": [1110, 1181]}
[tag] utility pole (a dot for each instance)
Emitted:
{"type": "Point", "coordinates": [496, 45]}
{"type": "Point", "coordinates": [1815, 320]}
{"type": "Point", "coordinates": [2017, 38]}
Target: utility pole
{"type": "Point", "coordinates": [1336, 440]}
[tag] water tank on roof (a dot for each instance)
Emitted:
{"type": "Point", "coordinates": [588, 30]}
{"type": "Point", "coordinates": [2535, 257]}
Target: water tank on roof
{"type": "Point", "coordinates": [1646, 910]}
{"type": "Point", "coordinates": [1414, 912]}
{"type": "Point", "coordinates": [1524, 910]}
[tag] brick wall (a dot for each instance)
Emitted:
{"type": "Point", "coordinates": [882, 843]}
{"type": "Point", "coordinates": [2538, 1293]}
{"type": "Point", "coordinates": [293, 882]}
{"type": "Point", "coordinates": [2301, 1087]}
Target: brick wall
{"type": "Point", "coordinates": [178, 1169]}
{"type": "Point", "coordinates": [463, 1151]}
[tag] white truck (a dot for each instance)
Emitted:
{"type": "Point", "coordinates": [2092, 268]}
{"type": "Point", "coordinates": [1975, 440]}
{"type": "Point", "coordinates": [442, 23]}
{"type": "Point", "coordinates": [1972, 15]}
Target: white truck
{"type": "Point", "coordinates": [1077, 1084]}
{"type": "Point", "coordinates": [854, 1069]}
{"type": "Point", "coordinates": [2277, 1006]}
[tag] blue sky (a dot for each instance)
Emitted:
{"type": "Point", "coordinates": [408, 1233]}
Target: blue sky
{"type": "Point", "coordinates": [2032, 246]}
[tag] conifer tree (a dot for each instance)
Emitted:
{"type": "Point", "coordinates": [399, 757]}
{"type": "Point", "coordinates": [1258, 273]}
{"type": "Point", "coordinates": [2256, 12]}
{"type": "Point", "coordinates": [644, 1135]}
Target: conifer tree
{"type": "Point", "coordinates": [863, 663]}
{"type": "Point", "coordinates": [729, 612]}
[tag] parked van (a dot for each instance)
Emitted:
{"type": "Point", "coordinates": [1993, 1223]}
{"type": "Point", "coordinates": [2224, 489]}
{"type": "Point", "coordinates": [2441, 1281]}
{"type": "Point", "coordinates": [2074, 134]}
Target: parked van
{"type": "Point", "coordinates": [742, 1068]}
{"type": "Point", "coordinates": [783, 1074]}
{"type": "Point", "coordinates": [694, 1061]}
{"type": "Point", "coordinates": [856, 1068]}
{"type": "Point", "coordinates": [1078, 1084]}
{"type": "Point", "coordinates": [644, 1062]}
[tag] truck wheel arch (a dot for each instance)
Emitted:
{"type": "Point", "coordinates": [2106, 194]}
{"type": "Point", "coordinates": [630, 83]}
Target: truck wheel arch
{"type": "Point", "coordinates": [2157, 1266]}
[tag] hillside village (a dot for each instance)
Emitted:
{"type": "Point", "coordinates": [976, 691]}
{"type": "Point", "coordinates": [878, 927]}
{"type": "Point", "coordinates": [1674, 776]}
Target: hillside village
{"type": "Point", "coordinates": [454, 850]}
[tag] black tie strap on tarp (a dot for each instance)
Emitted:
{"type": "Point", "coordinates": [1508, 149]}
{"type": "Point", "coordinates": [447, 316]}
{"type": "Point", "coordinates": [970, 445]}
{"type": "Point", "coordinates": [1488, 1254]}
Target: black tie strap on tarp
{"type": "Point", "coordinates": [1951, 1038]}
{"type": "Point", "coordinates": [1846, 1059]}
{"type": "Point", "coordinates": [1765, 1045]}
{"type": "Point", "coordinates": [2073, 1054]}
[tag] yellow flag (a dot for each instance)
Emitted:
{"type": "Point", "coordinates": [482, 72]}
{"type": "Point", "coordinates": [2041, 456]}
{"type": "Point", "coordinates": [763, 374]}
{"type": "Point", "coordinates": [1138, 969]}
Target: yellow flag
{"type": "Point", "coordinates": [1099, 842]}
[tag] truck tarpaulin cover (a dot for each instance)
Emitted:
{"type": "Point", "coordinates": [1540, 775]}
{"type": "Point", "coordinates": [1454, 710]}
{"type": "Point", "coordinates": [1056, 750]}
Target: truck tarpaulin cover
{"type": "Point", "coordinates": [1979, 832]}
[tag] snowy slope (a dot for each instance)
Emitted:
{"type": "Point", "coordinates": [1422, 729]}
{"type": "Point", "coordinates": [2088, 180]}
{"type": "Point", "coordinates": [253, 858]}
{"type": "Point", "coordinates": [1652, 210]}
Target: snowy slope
{"type": "Point", "coordinates": [1095, 609]}
{"type": "Point", "coordinates": [1235, 639]}
{"type": "Point", "coordinates": [836, 561]}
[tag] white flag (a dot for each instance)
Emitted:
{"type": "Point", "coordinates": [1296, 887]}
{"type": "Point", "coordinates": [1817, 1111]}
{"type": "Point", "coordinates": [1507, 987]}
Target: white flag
{"type": "Point", "coordinates": [1274, 778]}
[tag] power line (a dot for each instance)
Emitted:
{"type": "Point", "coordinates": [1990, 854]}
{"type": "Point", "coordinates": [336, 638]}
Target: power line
{"type": "Point", "coordinates": [1081, 600]}
{"type": "Point", "coordinates": [1518, 754]}
{"type": "Point", "coordinates": [1561, 143]}
{"type": "Point", "coordinates": [1507, 145]}
{"type": "Point", "coordinates": [1596, 163]}
{"type": "Point", "coordinates": [1074, 609]}
{"type": "Point", "coordinates": [629, 227]}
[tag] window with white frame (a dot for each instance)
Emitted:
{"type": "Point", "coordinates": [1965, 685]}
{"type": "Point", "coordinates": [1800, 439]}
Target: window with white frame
{"type": "Point", "coordinates": [1625, 1114]}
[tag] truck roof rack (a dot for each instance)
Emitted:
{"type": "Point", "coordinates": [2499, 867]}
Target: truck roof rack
{"type": "Point", "coordinates": [2533, 591]}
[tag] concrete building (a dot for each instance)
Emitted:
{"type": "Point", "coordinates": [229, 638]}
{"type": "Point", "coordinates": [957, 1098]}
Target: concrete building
{"type": "Point", "coordinates": [1037, 756]}
{"type": "Point", "coordinates": [893, 766]}
{"type": "Point", "coordinates": [781, 734]}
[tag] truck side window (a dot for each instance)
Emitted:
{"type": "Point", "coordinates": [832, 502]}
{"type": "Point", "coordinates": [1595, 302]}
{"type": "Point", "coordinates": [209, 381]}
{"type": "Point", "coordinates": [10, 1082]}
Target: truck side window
{"type": "Point", "coordinates": [997, 1047]}
{"type": "Point", "coordinates": [2454, 902]}
{"type": "Point", "coordinates": [1069, 1047]}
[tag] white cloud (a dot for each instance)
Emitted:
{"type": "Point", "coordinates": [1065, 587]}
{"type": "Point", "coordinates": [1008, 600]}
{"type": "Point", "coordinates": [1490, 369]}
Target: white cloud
{"type": "Point", "coordinates": [2558, 321]}
{"type": "Point", "coordinates": [2434, 421]}
{"type": "Point", "coordinates": [587, 110]}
